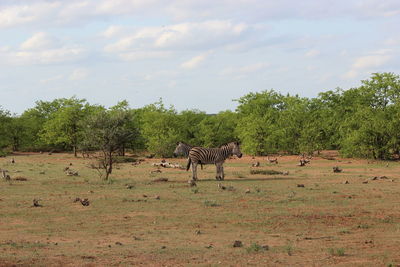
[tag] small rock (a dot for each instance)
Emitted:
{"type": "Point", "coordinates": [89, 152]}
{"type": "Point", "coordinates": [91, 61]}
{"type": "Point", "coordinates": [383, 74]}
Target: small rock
{"type": "Point", "coordinates": [160, 180]}
{"type": "Point", "coordinates": [118, 243]}
{"type": "Point", "coordinates": [220, 186]}
{"type": "Point", "coordinates": [365, 182]}
{"type": "Point", "coordinates": [237, 244]}
{"type": "Point", "coordinates": [336, 169]}
{"type": "Point", "coordinates": [163, 247]}
{"type": "Point", "coordinates": [209, 246]}
{"type": "Point", "coordinates": [300, 185]}
{"type": "Point", "coordinates": [247, 191]}
{"type": "Point", "coordinates": [144, 195]}
{"type": "Point", "coordinates": [346, 182]}
{"type": "Point", "coordinates": [157, 197]}
{"type": "Point", "coordinates": [85, 202]}
{"type": "Point", "coordinates": [256, 164]}
{"type": "Point", "coordinates": [265, 247]}
{"type": "Point", "coordinates": [36, 203]}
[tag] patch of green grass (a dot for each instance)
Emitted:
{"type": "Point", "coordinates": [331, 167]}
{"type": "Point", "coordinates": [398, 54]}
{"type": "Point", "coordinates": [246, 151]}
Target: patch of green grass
{"type": "Point", "coordinates": [255, 247]}
{"type": "Point", "coordinates": [265, 172]}
{"type": "Point", "coordinates": [337, 252]}
{"type": "Point", "coordinates": [238, 175]}
{"type": "Point", "coordinates": [289, 249]}
{"type": "Point", "coordinates": [363, 226]}
{"type": "Point", "coordinates": [195, 190]}
{"type": "Point", "coordinates": [344, 231]}
{"type": "Point", "coordinates": [387, 219]}
{"type": "Point", "coordinates": [211, 203]}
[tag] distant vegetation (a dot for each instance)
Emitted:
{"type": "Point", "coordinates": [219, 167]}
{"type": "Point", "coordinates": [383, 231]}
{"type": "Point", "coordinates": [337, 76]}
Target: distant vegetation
{"type": "Point", "coordinates": [360, 122]}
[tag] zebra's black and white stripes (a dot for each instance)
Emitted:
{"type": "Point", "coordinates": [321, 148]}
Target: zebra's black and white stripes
{"type": "Point", "coordinates": [182, 149]}
{"type": "Point", "coordinates": [217, 156]}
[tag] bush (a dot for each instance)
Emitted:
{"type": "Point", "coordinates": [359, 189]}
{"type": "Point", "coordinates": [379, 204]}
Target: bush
{"type": "Point", "coordinates": [255, 247]}
{"type": "Point", "coordinates": [124, 159]}
{"type": "Point", "coordinates": [266, 172]}
{"type": "Point", "coordinates": [3, 153]}
{"type": "Point", "coordinates": [336, 252]}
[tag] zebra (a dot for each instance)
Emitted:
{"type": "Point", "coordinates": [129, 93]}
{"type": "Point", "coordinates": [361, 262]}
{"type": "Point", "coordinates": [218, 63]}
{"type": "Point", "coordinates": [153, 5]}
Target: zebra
{"type": "Point", "coordinates": [215, 156]}
{"type": "Point", "coordinates": [183, 149]}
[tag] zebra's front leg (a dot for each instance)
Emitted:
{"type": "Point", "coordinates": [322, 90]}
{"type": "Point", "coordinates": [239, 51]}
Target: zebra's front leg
{"type": "Point", "coordinates": [218, 175]}
{"type": "Point", "coordinates": [222, 175]}
{"type": "Point", "coordinates": [194, 171]}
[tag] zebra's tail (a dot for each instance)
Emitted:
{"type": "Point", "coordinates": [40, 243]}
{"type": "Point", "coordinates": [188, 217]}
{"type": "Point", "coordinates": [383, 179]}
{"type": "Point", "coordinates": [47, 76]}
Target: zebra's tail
{"type": "Point", "coordinates": [188, 164]}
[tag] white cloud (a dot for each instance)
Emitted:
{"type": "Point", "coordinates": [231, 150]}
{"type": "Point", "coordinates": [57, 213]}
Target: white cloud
{"type": "Point", "coordinates": [75, 12]}
{"type": "Point", "coordinates": [369, 63]}
{"type": "Point", "coordinates": [312, 53]}
{"type": "Point", "coordinates": [195, 61]}
{"type": "Point", "coordinates": [79, 74]}
{"type": "Point", "coordinates": [51, 79]}
{"type": "Point", "coordinates": [41, 48]}
{"type": "Point", "coordinates": [40, 40]}
{"type": "Point", "coordinates": [189, 35]}
{"type": "Point", "coordinates": [140, 55]}
{"type": "Point", "coordinates": [241, 71]}
{"type": "Point", "coordinates": [28, 13]}
{"type": "Point", "coordinates": [57, 55]}
{"type": "Point", "coordinates": [111, 31]}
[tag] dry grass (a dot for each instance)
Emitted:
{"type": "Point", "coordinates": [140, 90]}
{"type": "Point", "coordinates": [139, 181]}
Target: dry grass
{"type": "Point", "coordinates": [133, 220]}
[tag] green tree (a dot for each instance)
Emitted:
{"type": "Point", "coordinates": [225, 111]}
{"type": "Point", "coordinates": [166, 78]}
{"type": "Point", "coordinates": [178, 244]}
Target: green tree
{"type": "Point", "coordinates": [4, 130]}
{"type": "Point", "coordinates": [160, 128]}
{"type": "Point", "coordinates": [107, 131]}
{"type": "Point", "coordinates": [258, 122]}
{"type": "Point", "coordinates": [63, 125]}
{"type": "Point", "coordinates": [369, 128]}
{"type": "Point", "coordinates": [189, 126]}
{"type": "Point", "coordinates": [218, 129]}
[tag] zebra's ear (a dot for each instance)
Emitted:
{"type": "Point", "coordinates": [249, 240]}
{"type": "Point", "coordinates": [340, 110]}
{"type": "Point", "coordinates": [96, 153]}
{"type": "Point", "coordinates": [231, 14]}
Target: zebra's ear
{"type": "Point", "coordinates": [177, 143]}
{"type": "Point", "coordinates": [237, 143]}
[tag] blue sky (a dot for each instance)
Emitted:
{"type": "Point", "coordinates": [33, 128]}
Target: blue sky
{"type": "Point", "coordinates": [192, 54]}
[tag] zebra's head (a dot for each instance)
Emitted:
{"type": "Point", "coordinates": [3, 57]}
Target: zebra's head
{"type": "Point", "coordinates": [181, 149]}
{"type": "Point", "coordinates": [235, 146]}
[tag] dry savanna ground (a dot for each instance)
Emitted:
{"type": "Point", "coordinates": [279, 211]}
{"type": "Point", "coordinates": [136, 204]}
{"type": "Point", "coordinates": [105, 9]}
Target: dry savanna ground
{"type": "Point", "coordinates": [308, 217]}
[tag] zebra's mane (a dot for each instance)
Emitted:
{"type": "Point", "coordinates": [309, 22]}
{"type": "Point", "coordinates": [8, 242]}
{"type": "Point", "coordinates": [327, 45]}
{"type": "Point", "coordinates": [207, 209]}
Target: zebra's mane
{"type": "Point", "coordinates": [183, 143]}
{"type": "Point", "coordinates": [226, 144]}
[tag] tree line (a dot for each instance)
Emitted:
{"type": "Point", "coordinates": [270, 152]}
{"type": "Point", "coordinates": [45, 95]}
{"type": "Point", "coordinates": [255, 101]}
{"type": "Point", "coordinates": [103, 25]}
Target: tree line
{"type": "Point", "coordinates": [359, 122]}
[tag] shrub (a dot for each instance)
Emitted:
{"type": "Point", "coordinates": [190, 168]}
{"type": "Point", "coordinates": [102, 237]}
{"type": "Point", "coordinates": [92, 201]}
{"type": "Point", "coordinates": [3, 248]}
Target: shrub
{"type": "Point", "coordinates": [255, 247]}
{"type": "Point", "coordinates": [266, 172]}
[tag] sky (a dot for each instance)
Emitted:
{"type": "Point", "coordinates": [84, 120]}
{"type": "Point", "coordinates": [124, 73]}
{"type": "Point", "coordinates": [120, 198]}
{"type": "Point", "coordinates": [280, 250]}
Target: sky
{"type": "Point", "coordinates": [194, 54]}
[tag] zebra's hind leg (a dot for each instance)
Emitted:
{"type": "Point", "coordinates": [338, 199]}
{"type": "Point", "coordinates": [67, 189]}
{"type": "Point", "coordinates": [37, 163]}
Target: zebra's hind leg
{"type": "Point", "coordinates": [222, 175]}
{"type": "Point", "coordinates": [194, 171]}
